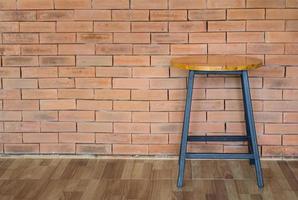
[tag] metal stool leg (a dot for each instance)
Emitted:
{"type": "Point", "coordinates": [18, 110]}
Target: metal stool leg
{"type": "Point", "coordinates": [183, 145]}
{"type": "Point", "coordinates": [250, 150]}
{"type": "Point", "coordinates": [251, 126]}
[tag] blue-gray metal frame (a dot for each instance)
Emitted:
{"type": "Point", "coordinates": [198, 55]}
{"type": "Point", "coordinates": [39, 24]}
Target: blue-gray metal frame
{"type": "Point", "coordinates": [251, 136]}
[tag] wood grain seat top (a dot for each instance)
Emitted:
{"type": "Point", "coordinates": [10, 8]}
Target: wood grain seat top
{"type": "Point", "coordinates": [216, 63]}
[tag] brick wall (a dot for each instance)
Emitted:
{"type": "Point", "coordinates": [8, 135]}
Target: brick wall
{"type": "Point", "coordinates": [93, 77]}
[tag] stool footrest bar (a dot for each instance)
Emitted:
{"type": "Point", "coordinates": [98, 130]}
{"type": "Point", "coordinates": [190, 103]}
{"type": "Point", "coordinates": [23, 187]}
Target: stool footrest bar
{"type": "Point", "coordinates": [216, 138]}
{"type": "Point", "coordinates": [219, 155]}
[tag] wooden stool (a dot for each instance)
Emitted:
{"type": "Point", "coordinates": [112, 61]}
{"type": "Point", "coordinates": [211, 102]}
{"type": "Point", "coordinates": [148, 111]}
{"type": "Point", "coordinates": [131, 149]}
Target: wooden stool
{"type": "Point", "coordinates": [220, 64]}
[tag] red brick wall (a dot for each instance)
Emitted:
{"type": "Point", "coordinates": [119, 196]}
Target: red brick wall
{"type": "Point", "coordinates": [93, 77]}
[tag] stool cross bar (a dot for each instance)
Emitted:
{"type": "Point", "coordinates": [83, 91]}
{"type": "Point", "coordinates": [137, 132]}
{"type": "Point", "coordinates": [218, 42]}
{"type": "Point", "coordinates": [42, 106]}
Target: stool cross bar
{"type": "Point", "coordinates": [251, 137]}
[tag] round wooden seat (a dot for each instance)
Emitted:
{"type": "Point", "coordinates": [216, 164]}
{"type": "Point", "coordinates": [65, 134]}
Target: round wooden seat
{"type": "Point", "coordinates": [217, 63]}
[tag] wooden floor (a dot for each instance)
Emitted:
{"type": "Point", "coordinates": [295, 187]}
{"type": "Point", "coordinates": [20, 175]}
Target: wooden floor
{"type": "Point", "coordinates": [143, 179]}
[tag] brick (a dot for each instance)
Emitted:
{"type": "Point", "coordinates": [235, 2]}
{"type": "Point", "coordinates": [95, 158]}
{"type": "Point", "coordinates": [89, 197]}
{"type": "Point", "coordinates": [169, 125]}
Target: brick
{"type": "Point", "coordinates": [20, 60]}
{"type": "Point", "coordinates": [130, 83]}
{"type": "Point", "coordinates": [75, 94]}
{"type": "Point", "coordinates": [131, 106]}
{"type": "Point", "coordinates": [226, 4]}
{"type": "Point", "coordinates": [238, 105]}
{"type": "Point", "coordinates": [149, 95]}
{"type": "Point", "coordinates": [214, 127]}
{"type": "Point", "coordinates": [150, 117]}
{"type": "Point", "coordinates": [111, 26]}
{"type": "Point", "coordinates": [58, 126]}
{"type": "Point", "coordinates": [21, 148]}
{"type": "Point", "coordinates": [153, 4]}
{"type": "Point", "coordinates": [19, 83]}
{"type": "Point", "coordinates": [54, 15]}
{"type": "Point", "coordinates": [37, 27]}
{"type": "Point", "coordinates": [226, 48]}
{"type": "Point", "coordinates": [292, 25]}
{"type": "Point", "coordinates": [35, 4]}
{"type": "Point", "coordinates": [265, 4]}
{"type": "Point", "coordinates": [9, 50]}
{"type": "Point", "coordinates": [86, 61]}
{"type": "Point", "coordinates": [269, 140]}
{"type": "Point", "coordinates": [290, 139]}
{"type": "Point", "coordinates": [290, 151]}
{"type": "Point", "coordinates": [131, 38]}
{"type": "Point", "coordinates": [263, 94]}
{"type": "Point", "coordinates": [149, 139]}
{"type": "Point", "coordinates": [188, 49]}
{"type": "Point", "coordinates": [169, 38]}
{"type": "Point", "coordinates": [172, 83]}
{"type": "Point", "coordinates": [37, 72]}
{"type": "Point", "coordinates": [76, 137]}
{"type": "Point", "coordinates": [291, 4]}
{"type": "Point", "coordinates": [76, 72]}
{"type": "Point", "coordinates": [98, 15]}
{"type": "Point", "coordinates": [10, 94]}
{"type": "Point", "coordinates": [194, 116]}
{"type": "Point", "coordinates": [40, 115]}
{"type": "Point", "coordinates": [281, 37]}
{"type": "Point", "coordinates": [93, 83]}
{"type": "Point", "coordinates": [31, 50]}
{"type": "Point", "coordinates": [76, 115]}
{"type": "Point", "coordinates": [131, 61]}
{"type": "Point", "coordinates": [17, 15]}
{"type": "Point", "coordinates": [151, 49]}
{"type": "Point", "coordinates": [235, 82]}
{"type": "Point", "coordinates": [281, 59]}
{"type": "Point", "coordinates": [166, 128]}
{"type": "Point", "coordinates": [191, 26]}
{"type": "Point", "coordinates": [94, 105]}
{"type": "Point", "coordinates": [94, 37]}
{"type": "Point", "coordinates": [268, 72]}
{"type": "Point", "coordinates": [281, 14]}
{"type": "Point", "coordinates": [223, 94]}
{"type": "Point", "coordinates": [57, 60]}
{"type": "Point", "coordinates": [110, 4]}
{"type": "Point", "coordinates": [281, 128]}
{"type": "Point", "coordinates": [168, 15]}
{"type": "Point", "coordinates": [245, 37]}
{"type": "Point", "coordinates": [57, 104]}
{"type": "Point", "coordinates": [8, 4]}
{"type": "Point", "coordinates": [113, 138]}
{"type": "Point", "coordinates": [74, 26]}
{"type": "Point", "coordinates": [291, 117]}
{"type": "Point", "coordinates": [226, 25]}
{"type": "Point", "coordinates": [72, 4]}
{"type": "Point", "coordinates": [149, 27]}
{"type": "Point", "coordinates": [290, 72]}
{"type": "Point", "coordinates": [113, 49]}
{"type": "Point", "coordinates": [93, 149]}
{"type": "Point", "coordinates": [150, 72]}
{"type": "Point", "coordinates": [107, 116]}
{"type": "Point", "coordinates": [108, 94]}
{"type": "Point", "coordinates": [20, 38]}
{"type": "Point", "coordinates": [163, 149]}
{"type": "Point", "coordinates": [130, 15]}
{"type": "Point", "coordinates": [40, 138]}
{"type": "Point", "coordinates": [113, 72]}
{"type": "Point", "coordinates": [207, 38]}
{"type": "Point", "coordinates": [246, 14]}
{"type": "Point", "coordinates": [16, 127]}
{"type": "Point", "coordinates": [265, 48]}
{"type": "Point", "coordinates": [265, 25]}
{"type": "Point", "coordinates": [10, 138]}
{"type": "Point", "coordinates": [56, 83]}
{"type": "Point", "coordinates": [10, 72]}
{"type": "Point", "coordinates": [130, 149]}
{"type": "Point", "coordinates": [76, 49]}
{"type": "Point", "coordinates": [9, 27]}
{"type": "Point", "coordinates": [290, 94]}
{"type": "Point", "coordinates": [187, 4]}
{"type": "Point", "coordinates": [10, 116]}
{"type": "Point", "coordinates": [207, 14]}
{"type": "Point", "coordinates": [94, 127]}
{"type": "Point", "coordinates": [131, 127]}
{"type": "Point", "coordinates": [57, 148]}
{"type": "Point", "coordinates": [181, 94]}
{"type": "Point", "coordinates": [280, 106]}
{"type": "Point", "coordinates": [57, 38]}
{"type": "Point", "coordinates": [167, 106]}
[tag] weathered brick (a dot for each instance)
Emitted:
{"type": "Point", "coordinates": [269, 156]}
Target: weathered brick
{"type": "Point", "coordinates": [40, 115]}
{"type": "Point", "coordinates": [57, 38]}
{"type": "Point", "coordinates": [20, 38]}
{"type": "Point", "coordinates": [56, 60]}
{"type": "Point", "coordinates": [191, 26]}
{"type": "Point", "coordinates": [149, 27]}
{"type": "Point", "coordinates": [169, 37]}
{"type": "Point", "coordinates": [98, 15]}
{"type": "Point", "coordinates": [76, 72]}
{"type": "Point", "coordinates": [168, 15]}
{"type": "Point", "coordinates": [21, 148]}
{"type": "Point", "coordinates": [151, 49]}
{"type": "Point", "coordinates": [111, 26]}
{"type": "Point", "coordinates": [9, 27]}
{"type": "Point", "coordinates": [94, 38]}
{"type": "Point", "coordinates": [130, 149]}
{"type": "Point", "coordinates": [93, 149]}
{"type": "Point", "coordinates": [76, 137]}
{"type": "Point", "coordinates": [54, 15]}
{"type": "Point", "coordinates": [226, 25]}
{"type": "Point", "coordinates": [113, 49]}
{"type": "Point", "coordinates": [57, 148]}
{"type": "Point", "coordinates": [17, 15]}
{"type": "Point", "coordinates": [130, 15]}
{"type": "Point", "coordinates": [38, 50]}
{"type": "Point", "coordinates": [72, 4]}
